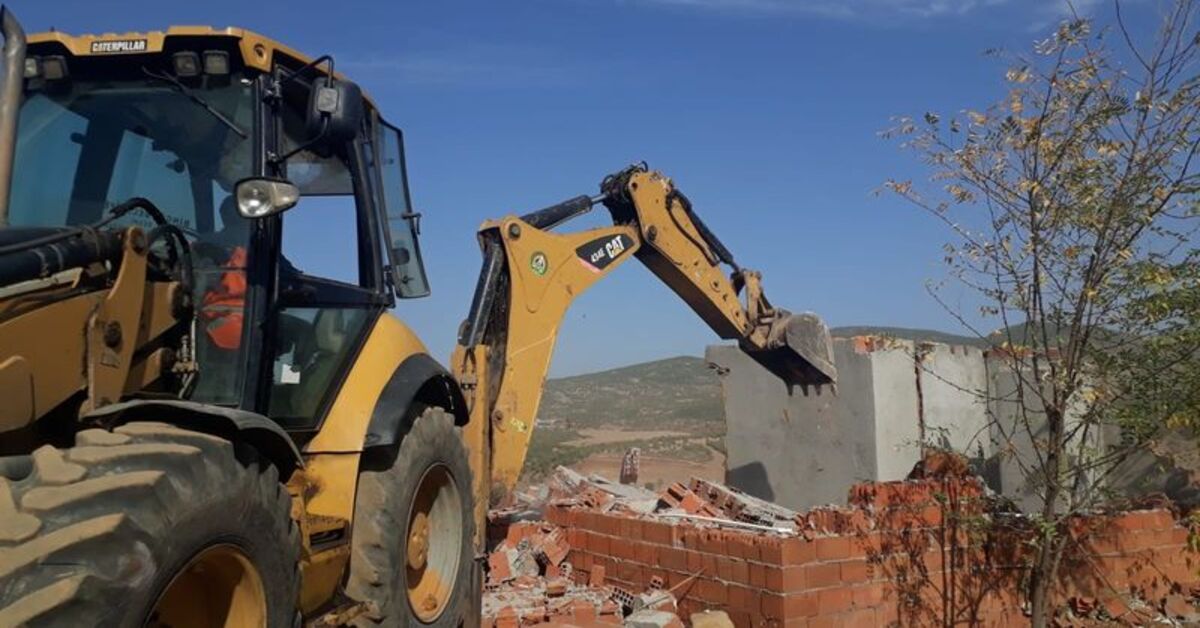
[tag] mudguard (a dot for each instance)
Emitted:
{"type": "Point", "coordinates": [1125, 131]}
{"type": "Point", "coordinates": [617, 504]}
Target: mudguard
{"type": "Point", "coordinates": [264, 434]}
{"type": "Point", "coordinates": [419, 378]}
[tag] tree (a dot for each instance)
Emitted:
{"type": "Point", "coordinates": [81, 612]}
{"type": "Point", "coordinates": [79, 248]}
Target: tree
{"type": "Point", "coordinates": [1072, 207]}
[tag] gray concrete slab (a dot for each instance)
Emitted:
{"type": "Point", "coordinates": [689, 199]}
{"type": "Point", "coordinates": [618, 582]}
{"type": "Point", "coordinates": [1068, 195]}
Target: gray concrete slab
{"type": "Point", "coordinates": [897, 421]}
{"type": "Point", "coordinates": [802, 447]}
{"type": "Point", "coordinates": [805, 447]}
{"type": "Point", "coordinates": [954, 384]}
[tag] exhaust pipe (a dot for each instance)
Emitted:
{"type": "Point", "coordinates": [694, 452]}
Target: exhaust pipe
{"type": "Point", "coordinates": [10, 102]}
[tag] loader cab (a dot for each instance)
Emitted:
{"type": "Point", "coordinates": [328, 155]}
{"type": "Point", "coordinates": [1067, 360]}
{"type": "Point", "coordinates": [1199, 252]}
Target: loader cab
{"type": "Point", "coordinates": [348, 248]}
{"type": "Point", "coordinates": [196, 120]}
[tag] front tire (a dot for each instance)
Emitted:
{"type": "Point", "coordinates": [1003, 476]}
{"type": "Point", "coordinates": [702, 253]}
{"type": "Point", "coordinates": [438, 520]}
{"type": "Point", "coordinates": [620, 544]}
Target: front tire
{"type": "Point", "coordinates": [414, 530]}
{"type": "Point", "coordinates": [147, 525]}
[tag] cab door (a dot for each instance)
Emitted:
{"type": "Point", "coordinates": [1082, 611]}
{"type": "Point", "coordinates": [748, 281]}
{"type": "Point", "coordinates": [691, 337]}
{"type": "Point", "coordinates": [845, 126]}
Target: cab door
{"type": "Point", "coordinates": [330, 281]}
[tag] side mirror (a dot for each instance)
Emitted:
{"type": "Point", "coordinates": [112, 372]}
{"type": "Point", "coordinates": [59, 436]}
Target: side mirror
{"type": "Point", "coordinates": [335, 110]}
{"type": "Point", "coordinates": [259, 197]}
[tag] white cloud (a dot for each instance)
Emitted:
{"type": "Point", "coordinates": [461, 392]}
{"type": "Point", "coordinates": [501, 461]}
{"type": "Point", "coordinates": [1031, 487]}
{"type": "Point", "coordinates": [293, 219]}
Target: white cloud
{"type": "Point", "coordinates": [840, 8]}
{"type": "Point", "coordinates": [1041, 13]}
{"type": "Point", "coordinates": [1051, 12]}
{"type": "Point", "coordinates": [469, 64]}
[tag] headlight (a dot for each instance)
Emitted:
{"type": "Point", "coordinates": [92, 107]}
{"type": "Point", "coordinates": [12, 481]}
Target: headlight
{"type": "Point", "coordinates": [258, 197]}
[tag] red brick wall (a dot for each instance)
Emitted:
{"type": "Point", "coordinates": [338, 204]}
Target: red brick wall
{"type": "Point", "coordinates": [914, 552]}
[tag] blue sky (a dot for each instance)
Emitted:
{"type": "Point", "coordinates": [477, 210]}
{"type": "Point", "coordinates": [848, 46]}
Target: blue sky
{"type": "Point", "coordinates": [765, 112]}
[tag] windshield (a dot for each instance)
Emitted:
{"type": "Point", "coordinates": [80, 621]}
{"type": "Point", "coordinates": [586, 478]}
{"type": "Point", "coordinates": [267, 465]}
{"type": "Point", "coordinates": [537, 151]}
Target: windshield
{"type": "Point", "coordinates": [86, 146]}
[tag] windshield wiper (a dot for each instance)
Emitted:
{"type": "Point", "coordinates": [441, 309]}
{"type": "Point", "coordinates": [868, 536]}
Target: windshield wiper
{"type": "Point", "coordinates": [183, 89]}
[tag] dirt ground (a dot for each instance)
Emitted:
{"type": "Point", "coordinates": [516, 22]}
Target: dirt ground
{"type": "Point", "coordinates": [604, 436]}
{"type": "Point", "coordinates": [655, 470]}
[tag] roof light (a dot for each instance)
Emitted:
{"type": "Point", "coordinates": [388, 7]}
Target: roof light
{"type": "Point", "coordinates": [187, 63]}
{"type": "Point", "coordinates": [33, 67]}
{"type": "Point", "coordinates": [216, 62]}
{"type": "Point", "coordinates": [54, 68]}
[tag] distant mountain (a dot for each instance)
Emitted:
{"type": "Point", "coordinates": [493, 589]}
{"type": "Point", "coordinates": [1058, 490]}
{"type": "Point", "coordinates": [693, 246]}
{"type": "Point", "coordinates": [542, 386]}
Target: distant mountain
{"type": "Point", "coordinates": [671, 392]}
{"type": "Point", "coordinates": [905, 333]}
{"type": "Point", "coordinates": [650, 395]}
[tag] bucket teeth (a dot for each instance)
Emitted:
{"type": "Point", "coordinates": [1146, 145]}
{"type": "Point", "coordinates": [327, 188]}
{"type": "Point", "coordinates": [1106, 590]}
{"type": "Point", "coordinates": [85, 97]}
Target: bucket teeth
{"type": "Point", "coordinates": [799, 349]}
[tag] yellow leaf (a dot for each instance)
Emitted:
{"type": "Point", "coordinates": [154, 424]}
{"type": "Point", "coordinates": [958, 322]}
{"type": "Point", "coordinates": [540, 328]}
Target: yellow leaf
{"type": "Point", "coordinates": [1014, 101]}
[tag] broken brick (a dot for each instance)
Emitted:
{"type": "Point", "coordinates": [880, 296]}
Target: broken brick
{"type": "Point", "coordinates": [596, 577]}
{"type": "Point", "coordinates": [885, 559]}
{"type": "Point", "coordinates": [507, 618]}
{"type": "Point", "coordinates": [556, 587]}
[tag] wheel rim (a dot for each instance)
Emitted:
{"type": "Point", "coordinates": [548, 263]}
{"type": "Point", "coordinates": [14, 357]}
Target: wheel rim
{"type": "Point", "coordinates": [434, 544]}
{"type": "Point", "coordinates": [220, 586]}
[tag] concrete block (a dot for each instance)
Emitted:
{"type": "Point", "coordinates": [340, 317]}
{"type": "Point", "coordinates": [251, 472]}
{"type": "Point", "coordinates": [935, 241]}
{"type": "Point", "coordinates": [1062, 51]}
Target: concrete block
{"type": "Point", "coordinates": [897, 423]}
{"type": "Point", "coordinates": [954, 386]}
{"type": "Point", "coordinates": [1019, 429]}
{"type": "Point", "coordinates": [805, 446]}
{"type": "Point", "coordinates": [797, 447]}
{"type": "Point", "coordinates": [711, 619]}
{"type": "Point", "coordinates": [653, 619]}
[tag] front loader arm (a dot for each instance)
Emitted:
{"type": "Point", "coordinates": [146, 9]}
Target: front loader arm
{"type": "Point", "coordinates": [531, 275]}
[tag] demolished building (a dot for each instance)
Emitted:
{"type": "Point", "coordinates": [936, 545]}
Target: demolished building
{"type": "Point", "coordinates": [800, 446]}
{"type": "Point", "coordinates": [935, 549]}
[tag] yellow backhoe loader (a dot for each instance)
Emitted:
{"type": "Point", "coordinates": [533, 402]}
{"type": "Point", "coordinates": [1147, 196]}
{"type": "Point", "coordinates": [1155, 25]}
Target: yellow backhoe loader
{"type": "Point", "coordinates": [204, 422]}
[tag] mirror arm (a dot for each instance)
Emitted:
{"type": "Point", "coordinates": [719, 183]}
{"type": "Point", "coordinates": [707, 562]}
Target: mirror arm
{"type": "Point", "coordinates": [276, 92]}
{"type": "Point", "coordinates": [306, 67]}
{"type": "Point", "coordinates": [278, 159]}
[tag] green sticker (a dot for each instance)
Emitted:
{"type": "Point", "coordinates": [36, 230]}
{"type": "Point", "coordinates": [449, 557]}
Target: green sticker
{"type": "Point", "coordinates": [539, 264]}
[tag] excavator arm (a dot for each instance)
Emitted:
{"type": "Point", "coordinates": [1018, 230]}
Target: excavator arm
{"type": "Point", "coordinates": [531, 275]}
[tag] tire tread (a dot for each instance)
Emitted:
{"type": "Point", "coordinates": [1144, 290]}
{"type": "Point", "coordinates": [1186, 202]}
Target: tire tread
{"type": "Point", "coordinates": [75, 532]}
{"type": "Point", "coordinates": [378, 522]}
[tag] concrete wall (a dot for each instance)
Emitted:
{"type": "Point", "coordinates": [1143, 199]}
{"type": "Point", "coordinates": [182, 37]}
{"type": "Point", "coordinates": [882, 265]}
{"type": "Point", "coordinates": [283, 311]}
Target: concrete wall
{"type": "Point", "coordinates": [954, 383]}
{"type": "Point", "coordinates": [897, 421]}
{"type": "Point", "coordinates": [803, 448]}
{"type": "Point", "coordinates": [1021, 433]}
{"type": "Point", "coordinates": [799, 447]}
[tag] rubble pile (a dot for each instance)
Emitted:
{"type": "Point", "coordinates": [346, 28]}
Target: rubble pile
{"type": "Point", "coordinates": [915, 551]}
{"type": "Point", "coordinates": [529, 582]}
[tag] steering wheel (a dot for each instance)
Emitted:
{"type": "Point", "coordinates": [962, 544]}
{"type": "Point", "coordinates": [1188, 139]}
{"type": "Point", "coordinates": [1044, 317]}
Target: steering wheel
{"type": "Point", "coordinates": [178, 251]}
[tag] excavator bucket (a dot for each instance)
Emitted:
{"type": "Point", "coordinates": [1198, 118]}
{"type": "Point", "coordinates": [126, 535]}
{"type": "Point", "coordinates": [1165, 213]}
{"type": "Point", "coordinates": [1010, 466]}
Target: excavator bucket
{"type": "Point", "coordinates": [799, 349]}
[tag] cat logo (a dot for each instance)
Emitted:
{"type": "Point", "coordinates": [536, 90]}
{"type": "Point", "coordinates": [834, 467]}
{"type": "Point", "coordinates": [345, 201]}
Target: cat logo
{"type": "Point", "coordinates": [599, 253]}
{"type": "Point", "coordinates": [118, 46]}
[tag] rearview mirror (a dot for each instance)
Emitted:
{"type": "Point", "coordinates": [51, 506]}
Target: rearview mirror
{"type": "Point", "coordinates": [259, 197]}
{"type": "Point", "coordinates": [335, 110]}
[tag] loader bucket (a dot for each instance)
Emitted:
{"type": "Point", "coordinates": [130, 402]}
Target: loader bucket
{"type": "Point", "coordinates": [799, 350]}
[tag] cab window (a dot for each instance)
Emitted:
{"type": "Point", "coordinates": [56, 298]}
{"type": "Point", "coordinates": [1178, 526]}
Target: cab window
{"type": "Point", "coordinates": [107, 141]}
{"type": "Point", "coordinates": [408, 268]}
{"type": "Point", "coordinates": [327, 290]}
{"type": "Point", "coordinates": [320, 234]}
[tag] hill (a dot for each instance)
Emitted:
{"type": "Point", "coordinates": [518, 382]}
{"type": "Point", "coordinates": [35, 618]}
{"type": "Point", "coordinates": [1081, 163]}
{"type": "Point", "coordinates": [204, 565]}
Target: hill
{"type": "Point", "coordinates": [906, 333]}
{"type": "Point", "coordinates": [665, 393]}
{"type": "Point", "coordinates": [671, 409]}
{"type": "Point", "coordinates": [680, 392]}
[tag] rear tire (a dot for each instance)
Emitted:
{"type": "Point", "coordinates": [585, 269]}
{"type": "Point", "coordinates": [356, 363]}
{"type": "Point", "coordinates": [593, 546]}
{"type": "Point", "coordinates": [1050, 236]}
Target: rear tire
{"type": "Point", "coordinates": [98, 534]}
{"type": "Point", "coordinates": [390, 494]}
